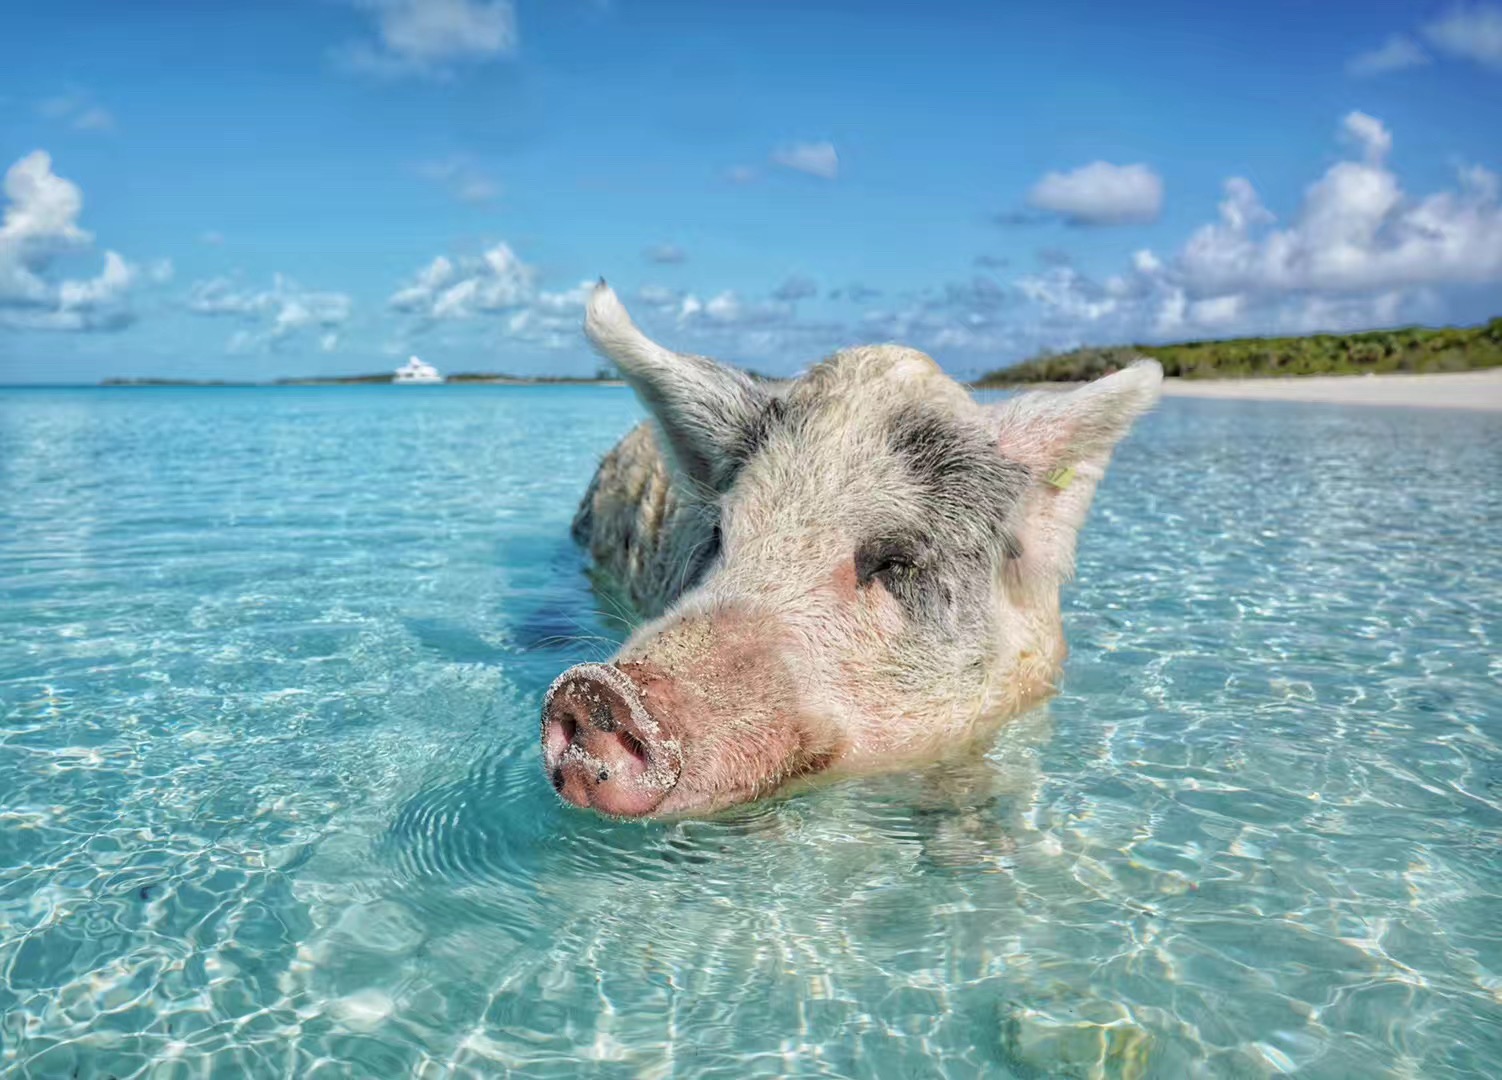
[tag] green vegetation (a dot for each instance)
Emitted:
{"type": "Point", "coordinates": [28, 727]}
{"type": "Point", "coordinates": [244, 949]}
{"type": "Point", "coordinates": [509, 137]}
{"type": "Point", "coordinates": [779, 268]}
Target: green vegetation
{"type": "Point", "coordinates": [1411, 348]}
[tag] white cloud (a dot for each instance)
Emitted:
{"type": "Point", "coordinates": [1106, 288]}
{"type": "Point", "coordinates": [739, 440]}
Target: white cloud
{"type": "Point", "coordinates": [462, 179]}
{"type": "Point", "coordinates": [497, 284]}
{"type": "Point", "coordinates": [1068, 295]}
{"type": "Point", "coordinates": [1471, 32]}
{"type": "Point", "coordinates": [1358, 252]}
{"type": "Point", "coordinates": [278, 313]}
{"type": "Point", "coordinates": [430, 37]}
{"type": "Point", "coordinates": [1397, 53]}
{"type": "Point", "coordinates": [1101, 194]}
{"type": "Point", "coordinates": [817, 159]}
{"type": "Point", "coordinates": [459, 289]}
{"type": "Point", "coordinates": [1369, 133]}
{"type": "Point", "coordinates": [730, 309]}
{"type": "Point", "coordinates": [40, 227]}
{"type": "Point", "coordinates": [741, 174]}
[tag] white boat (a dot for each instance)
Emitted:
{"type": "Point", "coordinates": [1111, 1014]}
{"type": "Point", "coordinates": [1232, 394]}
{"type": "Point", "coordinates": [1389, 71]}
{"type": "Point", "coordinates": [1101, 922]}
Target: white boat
{"type": "Point", "coordinates": [415, 371]}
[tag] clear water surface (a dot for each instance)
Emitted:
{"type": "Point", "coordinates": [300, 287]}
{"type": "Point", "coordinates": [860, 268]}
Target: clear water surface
{"type": "Point", "coordinates": [270, 666]}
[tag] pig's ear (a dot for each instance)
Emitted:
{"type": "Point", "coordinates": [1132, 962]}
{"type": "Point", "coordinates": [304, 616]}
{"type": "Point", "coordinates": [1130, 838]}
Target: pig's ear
{"type": "Point", "coordinates": [702, 407]}
{"type": "Point", "coordinates": [1065, 439]}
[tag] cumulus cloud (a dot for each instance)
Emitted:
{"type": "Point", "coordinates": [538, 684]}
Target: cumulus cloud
{"type": "Point", "coordinates": [468, 286]}
{"type": "Point", "coordinates": [275, 315]}
{"type": "Point", "coordinates": [665, 254]}
{"type": "Point", "coordinates": [730, 309]}
{"type": "Point", "coordinates": [431, 37]}
{"type": "Point", "coordinates": [1466, 31]}
{"type": "Point", "coordinates": [1358, 252]}
{"type": "Point", "coordinates": [1368, 133]}
{"type": "Point", "coordinates": [1471, 32]}
{"type": "Point", "coordinates": [39, 228]}
{"type": "Point", "coordinates": [551, 319]}
{"type": "Point", "coordinates": [497, 285]}
{"type": "Point", "coordinates": [764, 330]}
{"type": "Point", "coordinates": [462, 178]}
{"type": "Point", "coordinates": [817, 159]}
{"type": "Point", "coordinates": [1397, 53]}
{"type": "Point", "coordinates": [1100, 194]}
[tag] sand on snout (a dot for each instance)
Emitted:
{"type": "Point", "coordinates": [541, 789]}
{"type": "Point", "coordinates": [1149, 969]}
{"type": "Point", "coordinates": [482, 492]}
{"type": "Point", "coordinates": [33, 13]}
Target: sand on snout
{"type": "Point", "coordinates": [1451, 390]}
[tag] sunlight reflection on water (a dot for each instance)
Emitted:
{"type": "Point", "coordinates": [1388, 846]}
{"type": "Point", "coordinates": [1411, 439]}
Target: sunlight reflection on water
{"type": "Point", "coordinates": [269, 800]}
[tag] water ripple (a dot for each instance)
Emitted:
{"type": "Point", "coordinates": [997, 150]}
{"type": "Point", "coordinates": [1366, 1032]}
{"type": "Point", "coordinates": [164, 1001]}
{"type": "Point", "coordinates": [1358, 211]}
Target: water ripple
{"type": "Point", "coordinates": [270, 665]}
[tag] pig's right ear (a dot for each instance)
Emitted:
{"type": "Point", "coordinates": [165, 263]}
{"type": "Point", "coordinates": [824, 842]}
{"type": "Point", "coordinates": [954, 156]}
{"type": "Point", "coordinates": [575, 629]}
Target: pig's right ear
{"type": "Point", "coordinates": [1051, 431]}
{"type": "Point", "coordinates": [1065, 439]}
{"type": "Point", "coordinates": [702, 407]}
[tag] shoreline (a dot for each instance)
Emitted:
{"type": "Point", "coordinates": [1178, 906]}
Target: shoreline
{"type": "Point", "coordinates": [1477, 391]}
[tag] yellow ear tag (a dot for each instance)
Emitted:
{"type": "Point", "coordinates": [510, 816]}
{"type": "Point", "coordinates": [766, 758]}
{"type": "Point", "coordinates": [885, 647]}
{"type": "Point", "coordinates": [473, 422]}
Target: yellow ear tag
{"type": "Point", "coordinates": [1061, 477]}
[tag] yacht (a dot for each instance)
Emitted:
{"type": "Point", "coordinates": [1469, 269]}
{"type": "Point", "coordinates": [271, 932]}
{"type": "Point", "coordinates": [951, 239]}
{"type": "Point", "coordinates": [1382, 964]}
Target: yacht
{"type": "Point", "coordinates": [415, 371]}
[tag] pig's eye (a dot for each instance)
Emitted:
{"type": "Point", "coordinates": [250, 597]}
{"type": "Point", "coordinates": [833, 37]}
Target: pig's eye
{"type": "Point", "coordinates": [889, 560]}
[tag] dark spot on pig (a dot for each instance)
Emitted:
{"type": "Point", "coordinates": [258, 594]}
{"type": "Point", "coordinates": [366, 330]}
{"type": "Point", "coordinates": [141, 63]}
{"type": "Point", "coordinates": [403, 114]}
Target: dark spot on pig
{"type": "Point", "coordinates": [557, 777]}
{"type": "Point", "coordinates": [750, 437]}
{"type": "Point", "coordinates": [603, 775]}
{"type": "Point", "coordinates": [967, 480]}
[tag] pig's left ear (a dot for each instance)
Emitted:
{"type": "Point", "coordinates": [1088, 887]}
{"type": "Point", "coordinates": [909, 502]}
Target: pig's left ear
{"type": "Point", "coordinates": [1065, 439]}
{"type": "Point", "coordinates": [702, 408]}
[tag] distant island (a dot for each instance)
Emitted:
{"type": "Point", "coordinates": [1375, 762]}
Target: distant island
{"type": "Point", "coordinates": [1414, 349]}
{"type": "Point", "coordinates": [599, 378]}
{"type": "Point", "coordinates": [1409, 349]}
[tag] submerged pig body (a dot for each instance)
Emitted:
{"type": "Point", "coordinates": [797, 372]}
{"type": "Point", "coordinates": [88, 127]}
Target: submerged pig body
{"type": "Point", "coordinates": [853, 569]}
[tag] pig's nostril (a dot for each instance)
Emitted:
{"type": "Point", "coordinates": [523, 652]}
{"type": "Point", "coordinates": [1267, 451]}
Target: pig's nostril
{"type": "Point", "coordinates": [637, 748]}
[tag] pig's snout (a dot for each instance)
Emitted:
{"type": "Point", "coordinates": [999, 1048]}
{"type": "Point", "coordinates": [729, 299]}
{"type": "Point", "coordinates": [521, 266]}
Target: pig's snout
{"type": "Point", "coordinates": [601, 747]}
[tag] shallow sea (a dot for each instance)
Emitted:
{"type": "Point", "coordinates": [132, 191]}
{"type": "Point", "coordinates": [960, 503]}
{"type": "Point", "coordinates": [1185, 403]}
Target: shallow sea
{"type": "Point", "coordinates": [270, 804]}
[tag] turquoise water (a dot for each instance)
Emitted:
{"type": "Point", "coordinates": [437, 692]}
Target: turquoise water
{"type": "Point", "coordinates": [270, 665]}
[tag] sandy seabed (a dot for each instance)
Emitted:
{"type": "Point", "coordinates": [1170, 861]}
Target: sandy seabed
{"type": "Point", "coordinates": [1454, 390]}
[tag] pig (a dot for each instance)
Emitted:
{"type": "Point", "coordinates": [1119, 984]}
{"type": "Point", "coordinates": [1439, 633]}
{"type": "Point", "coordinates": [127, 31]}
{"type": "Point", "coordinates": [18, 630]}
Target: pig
{"type": "Point", "coordinates": [850, 570]}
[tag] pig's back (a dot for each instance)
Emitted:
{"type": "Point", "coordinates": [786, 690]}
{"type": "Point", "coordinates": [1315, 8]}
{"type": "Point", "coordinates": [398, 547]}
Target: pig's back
{"type": "Point", "coordinates": [625, 521]}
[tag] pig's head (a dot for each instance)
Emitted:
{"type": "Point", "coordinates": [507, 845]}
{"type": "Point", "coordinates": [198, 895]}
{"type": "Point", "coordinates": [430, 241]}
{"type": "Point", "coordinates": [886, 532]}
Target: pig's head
{"type": "Point", "coordinates": [872, 563]}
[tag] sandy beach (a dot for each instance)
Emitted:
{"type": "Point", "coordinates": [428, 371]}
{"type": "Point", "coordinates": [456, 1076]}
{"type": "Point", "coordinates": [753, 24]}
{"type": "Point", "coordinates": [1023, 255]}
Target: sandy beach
{"type": "Point", "coordinates": [1458, 390]}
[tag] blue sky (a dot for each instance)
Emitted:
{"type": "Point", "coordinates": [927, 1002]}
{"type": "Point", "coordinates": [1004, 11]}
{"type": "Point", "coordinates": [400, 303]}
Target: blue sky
{"type": "Point", "coordinates": [257, 190]}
